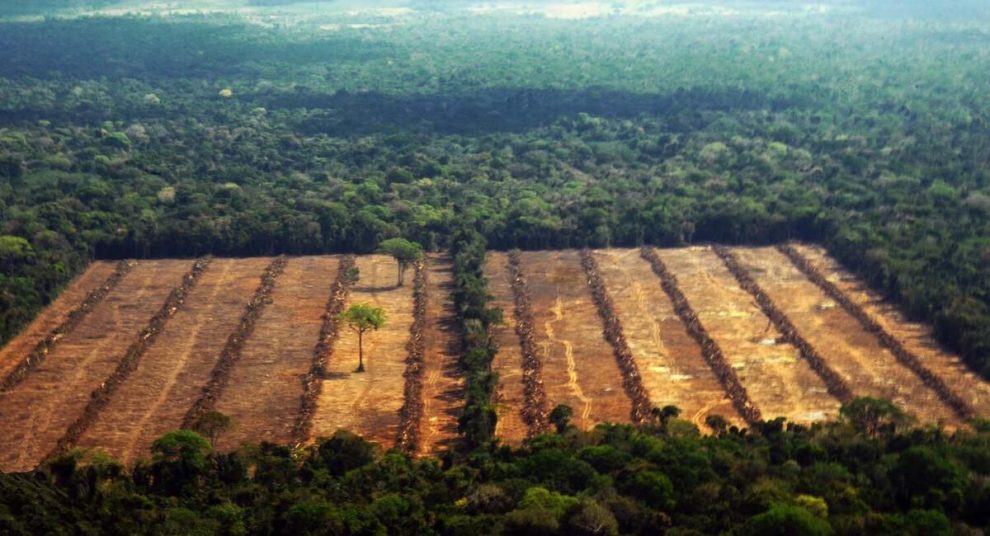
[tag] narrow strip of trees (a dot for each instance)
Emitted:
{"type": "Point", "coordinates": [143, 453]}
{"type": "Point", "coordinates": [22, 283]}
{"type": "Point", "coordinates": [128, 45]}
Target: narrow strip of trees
{"type": "Point", "coordinates": [535, 411]}
{"type": "Point", "coordinates": [72, 320]}
{"type": "Point", "coordinates": [329, 331]}
{"type": "Point", "coordinates": [412, 407]}
{"type": "Point", "coordinates": [903, 355]}
{"type": "Point", "coordinates": [231, 352]}
{"type": "Point", "coordinates": [710, 350]}
{"type": "Point", "coordinates": [632, 382]}
{"type": "Point", "coordinates": [835, 384]}
{"type": "Point", "coordinates": [100, 397]}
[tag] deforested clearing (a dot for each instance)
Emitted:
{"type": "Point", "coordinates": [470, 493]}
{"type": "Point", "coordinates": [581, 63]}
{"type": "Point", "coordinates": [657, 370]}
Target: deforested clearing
{"type": "Point", "coordinates": [570, 358]}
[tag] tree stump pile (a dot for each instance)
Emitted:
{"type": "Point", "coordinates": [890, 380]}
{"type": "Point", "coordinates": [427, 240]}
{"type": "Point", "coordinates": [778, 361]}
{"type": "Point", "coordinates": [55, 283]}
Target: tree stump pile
{"type": "Point", "coordinates": [412, 407]}
{"type": "Point", "coordinates": [329, 330]}
{"type": "Point", "coordinates": [903, 356]}
{"type": "Point", "coordinates": [535, 412]}
{"type": "Point", "coordinates": [710, 350]}
{"type": "Point", "coordinates": [632, 382]}
{"type": "Point", "coordinates": [75, 316]}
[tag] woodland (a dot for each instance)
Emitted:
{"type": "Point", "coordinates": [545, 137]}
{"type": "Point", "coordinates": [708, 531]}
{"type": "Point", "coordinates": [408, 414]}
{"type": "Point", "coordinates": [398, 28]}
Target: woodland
{"type": "Point", "coordinates": [182, 136]}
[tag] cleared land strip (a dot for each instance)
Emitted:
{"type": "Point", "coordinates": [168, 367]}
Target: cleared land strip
{"type": "Point", "coordinates": [615, 335]}
{"type": "Point", "coordinates": [412, 398]}
{"type": "Point", "coordinates": [231, 353]}
{"type": "Point", "coordinates": [368, 403]}
{"type": "Point", "coordinates": [35, 342]}
{"type": "Point", "coordinates": [578, 366]}
{"type": "Point", "coordinates": [906, 358]}
{"type": "Point", "coordinates": [102, 395]}
{"type": "Point", "coordinates": [778, 382]}
{"type": "Point", "coordinates": [835, 383]}
{"type": "Point", "coordinates": [535, 410]}
{"type": "Point", "coordinates": [443, 385]}
{"type": "Point", "coordinates": [329, 331]}
{"type": "Point", "coordinates": [510, 399]}
{"type": "Point", "coordinates": [170, 376]}
{"type": "Point", "coordinates": [672, 368]}
{"type": "Point", "coordinates": [37, 412]}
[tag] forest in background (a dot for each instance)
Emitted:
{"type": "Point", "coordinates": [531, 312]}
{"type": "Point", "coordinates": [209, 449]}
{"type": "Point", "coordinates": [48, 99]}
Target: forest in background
{"type": "Point", "coordinates": [147, 136]}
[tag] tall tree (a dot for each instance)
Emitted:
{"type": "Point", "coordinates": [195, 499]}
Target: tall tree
{"type": "Point", "coordinates": [403, 251]}
{"type": "Point", "coordinates": [363, 318]}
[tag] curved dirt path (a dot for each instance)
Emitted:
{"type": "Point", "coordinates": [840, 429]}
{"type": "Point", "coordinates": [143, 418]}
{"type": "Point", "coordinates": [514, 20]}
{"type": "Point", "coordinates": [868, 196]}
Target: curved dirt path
{"type": "Point", "coordinates": [572, 374]}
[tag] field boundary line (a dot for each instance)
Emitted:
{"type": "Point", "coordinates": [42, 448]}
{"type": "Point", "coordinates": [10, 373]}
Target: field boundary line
{"type": "Point", "coordinates": [231, 352]}
{"type": "Point", "coordinates": [903, 356]}
{"type": "Point", "coordinates": [412, 407]}
{"type": "Point", "coordinates": [834, 382]}
{"type": "Point", "coordinates": [75, 317]}
{"type": "Point", "coordinates": [534, 411]}
{"type": "Point", "coordinates": [100, 397]}
{"type": "Point", "coordinates": [632, 381]}
{"type": "Point", "coordinates": [329, 331]}
{"type": "Point", "coordinates": [710, 350]}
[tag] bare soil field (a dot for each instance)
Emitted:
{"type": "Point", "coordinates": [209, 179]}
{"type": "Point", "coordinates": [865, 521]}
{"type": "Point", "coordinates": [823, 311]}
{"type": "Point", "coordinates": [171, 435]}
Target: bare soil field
{"type": "Point", "coordinates": [579, 367]}
{"type": "Point", "coordinates": [56, 313]}
{"type": "Point", "coordinates": [510, 428]}
{"type": "Point", "coordinates": [442, 382]}
{"type": "Point", "coordinates": [368, 403]}
{"type": "Point", "coordinates": [915, 337]}
{"type": "Point", "coordinates": [779, 382]}
{"type": "Point", "coordinates": [35, 413]}
{"type": "Point", "coordinates": [669, 360]}
{"type": "Point", "coordinates": [171, 374]}
{"type": "Point", "coordinates": [262, 396]}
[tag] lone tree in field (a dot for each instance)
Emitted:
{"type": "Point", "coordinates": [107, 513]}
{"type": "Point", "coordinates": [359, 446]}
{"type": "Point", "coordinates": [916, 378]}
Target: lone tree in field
{"type": "Point", "coordinates": [363, 318]}
{"type": "Point", "coordinates": [403, 251]}
{"type": "Point", "coordinates": [211, 424]}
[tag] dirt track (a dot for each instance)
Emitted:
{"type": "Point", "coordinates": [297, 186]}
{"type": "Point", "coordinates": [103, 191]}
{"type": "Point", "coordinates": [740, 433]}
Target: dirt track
{"type": "Point", "coordinates": [670, 362]}
{"type": "Point", "coordinates": [36, 413]}
{"type": "Point", "coordinates": [368, 403]}
{"type": "Point", "coordinates": [779, 382]}
{"type": "Point", "coordinates": [170, 376]}
{"type": "Point", "coordinates": [579, 367]}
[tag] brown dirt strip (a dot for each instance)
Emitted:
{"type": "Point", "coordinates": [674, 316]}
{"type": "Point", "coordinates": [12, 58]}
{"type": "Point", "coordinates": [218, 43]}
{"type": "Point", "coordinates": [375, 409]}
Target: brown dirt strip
{"type": "Point", "coordinates": [101, 396]}
{"type": "Point", "coordinates": [710, 350]}
{"type": "Point", "coordinates": [368, 403]}
{"type": "Point", "coordinates": [669, 360]}
{"type": "Point", "coordinates": [329, 331]}
{"type": "Point", "coordinates": [615, 335]}
{"type": "Point", "coordinates": [535, 411]}
{"type": "Point", "coordinates": [579, 367]}
{"type": "Point", "coordinates": [37, 412]}
{"type": "Point", "coordinates": [834, 382]}
{"type": "Point", "coordinates": [906, 358]}
{"type": "Point", "coordinates": [58, 319]}
{"type": "Point", "coordinates": [172, 373]}
{"type": "Point", "coordinates": [443, 397]}
{"type": "Point", "coordinates": [231, 352]}
{"type": "Point", "coordinates": [509, 398]}
{"type": "Point", "coordinates": [916, 338]}
{"type": "Point", "coordinates": [854, 353]}
{"type": "Point", "coordinates": [412, 406]}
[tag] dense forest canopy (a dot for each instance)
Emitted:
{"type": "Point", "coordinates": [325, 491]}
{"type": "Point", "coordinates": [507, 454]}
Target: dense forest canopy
{"type": "Point", "coordinates": [235, 127]}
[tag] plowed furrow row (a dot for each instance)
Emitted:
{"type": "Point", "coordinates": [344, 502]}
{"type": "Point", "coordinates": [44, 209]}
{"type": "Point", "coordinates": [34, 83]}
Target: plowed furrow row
{"type": "Point", "coordinates": [903, 356]}
{"type": "Point", "coordinates": [835, 384]}
{"type": "Point", "coordinates": [710, 350]}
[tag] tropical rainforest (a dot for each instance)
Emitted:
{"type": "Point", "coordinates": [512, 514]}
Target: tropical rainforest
{"type": "Point", "coordinates": [464, 128]}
